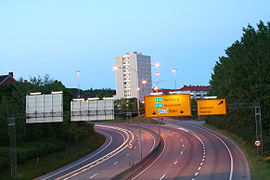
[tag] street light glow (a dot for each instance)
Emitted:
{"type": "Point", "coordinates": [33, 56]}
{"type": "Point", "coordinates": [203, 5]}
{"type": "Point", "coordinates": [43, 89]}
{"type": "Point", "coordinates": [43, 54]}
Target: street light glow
{"type": "Point", "coordinates": [144, 81]}
{"type": "Point", "coordinates": [157, 65]}
{"type": "Point", "coordinates": [115, 68]}
{"type": "Point", "coordinates": [174, 70]}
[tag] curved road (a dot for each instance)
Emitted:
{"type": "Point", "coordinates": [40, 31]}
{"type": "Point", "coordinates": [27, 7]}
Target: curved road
{"type": "Point", "coordinates": [111, 158]}
{"type": "Point", "coordinates": [192, 151]}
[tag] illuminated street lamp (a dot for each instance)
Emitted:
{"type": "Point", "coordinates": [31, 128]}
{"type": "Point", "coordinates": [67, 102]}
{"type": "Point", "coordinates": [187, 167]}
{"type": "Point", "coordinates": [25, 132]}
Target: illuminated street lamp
{"type": "Point", "coordinates": [174, 72]}
{"type": "Point", "coordinates": [157, 65]}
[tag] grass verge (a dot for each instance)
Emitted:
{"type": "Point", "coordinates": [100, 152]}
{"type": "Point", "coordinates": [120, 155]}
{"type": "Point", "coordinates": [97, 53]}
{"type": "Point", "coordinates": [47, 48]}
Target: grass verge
{"type": "Point", "coordinates": [260, 169]}
{"type": "Point", "coordinates": [30, 169]}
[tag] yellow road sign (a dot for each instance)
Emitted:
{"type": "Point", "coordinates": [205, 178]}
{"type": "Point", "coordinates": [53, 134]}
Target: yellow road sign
{"type": "Point", "coordinates": [167, 105]}
{"type": "Point", "coordinates": [211, 107]}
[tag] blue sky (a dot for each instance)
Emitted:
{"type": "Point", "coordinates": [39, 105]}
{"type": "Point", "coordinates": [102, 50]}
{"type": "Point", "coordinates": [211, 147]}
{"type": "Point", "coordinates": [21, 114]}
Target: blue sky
{"type": "Point", "coordinates": [60, 37]}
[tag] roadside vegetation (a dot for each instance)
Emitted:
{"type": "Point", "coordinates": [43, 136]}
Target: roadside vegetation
{"type": "Point", "coordinates": [259, 166]}
{"type": "Point", "coordinates": [37, 141]}
{"type": "Point", "coordinates": [242, 76]}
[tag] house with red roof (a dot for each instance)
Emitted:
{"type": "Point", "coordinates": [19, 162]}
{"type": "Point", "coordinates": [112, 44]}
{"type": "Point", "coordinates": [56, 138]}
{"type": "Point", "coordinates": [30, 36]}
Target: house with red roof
{"type": "Point", "coordinates": [196, 92]}
{"type": "Point", "coordinates": [7, 78]}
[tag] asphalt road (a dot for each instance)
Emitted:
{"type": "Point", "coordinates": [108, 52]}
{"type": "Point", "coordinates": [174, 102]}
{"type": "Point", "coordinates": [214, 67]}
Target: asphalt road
{"type": "Point", "coordinates": [192, 151]}
{"type": "Point", "coordinates": [110, 159]}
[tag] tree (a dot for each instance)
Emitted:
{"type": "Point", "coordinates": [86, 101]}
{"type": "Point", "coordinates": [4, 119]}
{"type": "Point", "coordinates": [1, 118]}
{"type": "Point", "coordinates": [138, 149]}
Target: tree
{"type": "Point", "coordinates": [243, 76]}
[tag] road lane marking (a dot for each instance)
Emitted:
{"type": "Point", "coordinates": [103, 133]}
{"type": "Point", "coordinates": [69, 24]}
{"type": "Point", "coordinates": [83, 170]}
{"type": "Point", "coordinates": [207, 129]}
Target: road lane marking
{"type": "Point", "coordinates": [181, 152]}
{"type": "Point", "coordinates": [199, 168]}
{"type": "Point", "coordinates": [152, 162]}
{"type": "Point", "coordinates": [196, 174]}
{"type": "Point", "coordinates": [230, 154]}
{"type": "Point", "coordinates": [104, 158]}
{"type": "Point", "coordinates": [154, 142]}
{"type": "Point", "coordinates": [183, 130]}
{"type": "Point", "coordinates": [183, 145]}
{"type": "Point", "coordinates": [115, 163]}
{"type": "Point", "coordinates": [203, 159]}
{"type": "Point", "coordinates": [163, 176]}
{"type": "Point", "coordinates": [93, 176]}
{"type": "Point", "coordinates": [127, 154]}
{"type": "Point", "coordinates": [201, 164]}
{"type": "Point", "coordinates": [83, 160]}
{"type": "Point", "coordinates": [175, 162]}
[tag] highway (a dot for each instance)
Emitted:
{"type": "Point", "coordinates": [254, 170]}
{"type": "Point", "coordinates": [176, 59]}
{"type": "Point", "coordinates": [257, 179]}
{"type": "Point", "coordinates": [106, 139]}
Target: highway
{"type": "Point", "coordinates": [111, 158]}
{"type": "Point", "coordinates": [189, 151]}
{"type": "Point", "coordinates": [193, 152]}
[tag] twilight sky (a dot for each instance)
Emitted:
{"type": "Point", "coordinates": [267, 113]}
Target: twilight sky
{"type": "Point", "coordinates": [59, 37]}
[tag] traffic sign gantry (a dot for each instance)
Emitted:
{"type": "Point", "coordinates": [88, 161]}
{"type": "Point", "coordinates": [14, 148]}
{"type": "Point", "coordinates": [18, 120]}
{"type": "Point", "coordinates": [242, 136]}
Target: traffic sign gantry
{"type": "Point", "coordinates": [167, 105]}
{"type": "Point", "coordinates": [211, 107]}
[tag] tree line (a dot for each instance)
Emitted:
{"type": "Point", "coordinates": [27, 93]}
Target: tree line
{"type": "Point", "coordinates": [243, 76]}
{"type": "Point", "coordinates": [91, 93]}
{"type": "Point", "coordinates": [36, 139]}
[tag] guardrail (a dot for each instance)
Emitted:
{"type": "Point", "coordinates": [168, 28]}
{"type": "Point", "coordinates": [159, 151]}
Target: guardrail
{"type": "Point", "coordinates": [139, 166]}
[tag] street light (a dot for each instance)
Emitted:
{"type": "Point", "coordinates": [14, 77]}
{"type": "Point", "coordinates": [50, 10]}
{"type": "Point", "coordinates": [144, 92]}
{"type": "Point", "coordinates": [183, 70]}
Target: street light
{"type": "Point", "coordinates": [115, 68]}
{"type": "Point", "coordinates": [157, 65]}
{"type": "Point", "coordinates": [174, 72]}
{"type": "Point", "coordinates": [78, 76]}
{"type": "Point", "coordinates": [157, 78]}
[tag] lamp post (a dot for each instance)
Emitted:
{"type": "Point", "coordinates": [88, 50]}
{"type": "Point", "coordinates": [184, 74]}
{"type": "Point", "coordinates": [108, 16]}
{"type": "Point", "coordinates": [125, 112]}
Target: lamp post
{"type": "Point", "coordinates": [157, 78]}
{"type": "Point", "coordinates": [115, 68]}
{"type": "Point", "coordinates": [174, 72]}
{"type": "Point", "coordinates": [78, 76]}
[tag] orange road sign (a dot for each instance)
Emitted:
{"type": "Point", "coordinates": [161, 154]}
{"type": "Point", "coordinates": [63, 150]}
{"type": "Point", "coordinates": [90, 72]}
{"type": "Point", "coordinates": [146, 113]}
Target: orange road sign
{"type": "Point", "coordinates": [167, 105]}
{"type": "Point", "coordinates": [211, 107]}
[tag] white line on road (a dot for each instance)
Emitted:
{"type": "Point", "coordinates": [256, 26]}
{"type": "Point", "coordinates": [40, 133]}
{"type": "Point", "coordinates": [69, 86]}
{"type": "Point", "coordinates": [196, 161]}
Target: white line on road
{"type": "Point", "coordinates": [163, 176]}
{"type": "Point", "coordinates": [84, 159]}
{"type": "Point", "coordinates": [93, 176]}
{"type": "Point", "coordinates": [201, 164]}
{"type": "Point", "coordinates": [199, 168]}
{"type": "Point", "coordinates": [231, 158]}
{"type": "Point", "coordinates": [127, 154]}
{"type": "Point", "coordinates": [115, 163]}
{"type": "Point", "coordinates": [181, 152]}
{"type": "Point", "coordinates": [152, 162]}
{"type": "Point", "coordinates": [196, 174]}
{"type": "Point", "coordinates": [183, 145]}
{"type": "Point", "coordinates": [203, 159]}
{"type": "Point", "coordinates": [175, 162]}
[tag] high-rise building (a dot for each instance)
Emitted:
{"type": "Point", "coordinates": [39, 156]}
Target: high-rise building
{"type": "Point", "coordinates": [135, 68]}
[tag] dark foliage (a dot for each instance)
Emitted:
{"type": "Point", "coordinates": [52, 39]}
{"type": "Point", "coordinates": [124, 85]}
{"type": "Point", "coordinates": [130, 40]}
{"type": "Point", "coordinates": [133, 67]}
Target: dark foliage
{"type": "Point", "coordinates": [243, 76]}
{"type": "Point", "coordinates": [36, 139]}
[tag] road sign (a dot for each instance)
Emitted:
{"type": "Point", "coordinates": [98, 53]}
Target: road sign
{"type": "Point", "coordinates": [258, 143]}
{"type": "Point", "coordinates": [130, 146]}
{"type": "Point", "coordinates": [167, 105]}
{"type": "Point", "coordinates": [211, 107]}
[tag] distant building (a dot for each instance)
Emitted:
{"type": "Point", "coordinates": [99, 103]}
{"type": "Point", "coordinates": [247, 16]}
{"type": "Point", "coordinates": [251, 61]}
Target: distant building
{"type": "Point", "coordinates": [7, 78]}
{"type": "Point", "coordinates": [196, 92]}
{"type": "Point", "coordinates": [134, 68]}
